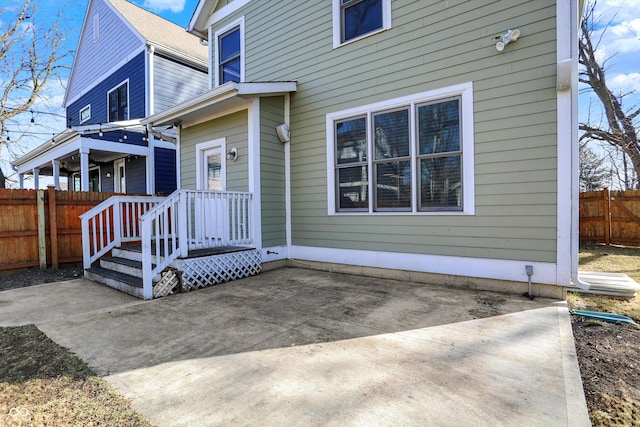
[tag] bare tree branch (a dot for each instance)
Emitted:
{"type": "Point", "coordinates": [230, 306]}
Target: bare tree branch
{"type": "Point", "coordinates": [29, 59]}
{"type": "Point", "coordinates": [620, 128]}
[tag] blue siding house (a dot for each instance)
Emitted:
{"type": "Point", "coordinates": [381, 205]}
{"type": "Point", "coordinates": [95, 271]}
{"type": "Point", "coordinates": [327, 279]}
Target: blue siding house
{"type": "Point", "coordinates": [129, 64]}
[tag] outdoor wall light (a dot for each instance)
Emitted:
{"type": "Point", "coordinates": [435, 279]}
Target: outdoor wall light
{"type": "Point", "coordinates": [505, 39]}
{"type": "Point", "coordinates": [108, 174]}
{"type": "Point", "coordinates": [232, 154]}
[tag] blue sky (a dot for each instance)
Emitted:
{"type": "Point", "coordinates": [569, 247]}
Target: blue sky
{"type": "Point", "coordinates": [620, 43]}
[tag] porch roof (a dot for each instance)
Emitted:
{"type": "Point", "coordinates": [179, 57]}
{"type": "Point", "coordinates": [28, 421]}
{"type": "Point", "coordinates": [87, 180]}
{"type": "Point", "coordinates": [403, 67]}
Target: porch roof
{"type": "Point", "coordinates": [214, 101]}
{"type": "Point", "coordinates": [70, 141]}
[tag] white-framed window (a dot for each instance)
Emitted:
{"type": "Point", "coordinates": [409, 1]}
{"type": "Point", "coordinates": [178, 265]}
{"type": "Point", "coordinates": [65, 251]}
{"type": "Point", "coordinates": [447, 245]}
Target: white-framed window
{"type": "Point", "coordinates": [229, 53]}
{"type": "Point", "coordinates": [118, 102]}
{"type": "Point", "coordinates": [85, 113]}
{"type": "Point", "coordinates": [211, 165]}
{"type": "Point", "coordinates": [355, 19]}
{"type": "Point", "coordinates": [412, 155]}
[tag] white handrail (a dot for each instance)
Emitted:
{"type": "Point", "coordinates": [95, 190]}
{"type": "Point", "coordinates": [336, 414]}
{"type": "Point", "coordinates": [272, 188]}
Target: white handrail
{"type": "Point", "coordinates": [188, 220]}
{"type": "Point", "coordinates": [111, 223]}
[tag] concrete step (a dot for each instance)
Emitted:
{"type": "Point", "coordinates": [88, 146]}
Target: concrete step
{"type": "Point", "coordinates": [129, 284]}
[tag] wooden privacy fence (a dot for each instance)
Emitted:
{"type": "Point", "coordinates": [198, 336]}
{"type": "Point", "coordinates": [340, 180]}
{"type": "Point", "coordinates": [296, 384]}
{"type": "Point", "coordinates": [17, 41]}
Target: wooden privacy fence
{"type": "Point", "coordinates": [610, 217]}
{"type": "Point", "coordinates": [40, 227]}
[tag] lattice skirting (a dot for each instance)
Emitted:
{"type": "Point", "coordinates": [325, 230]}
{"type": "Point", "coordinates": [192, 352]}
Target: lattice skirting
{"type": "Point", "coordinates": [206, 271]}
{"type": "Point", "coordinates": [168, 284]}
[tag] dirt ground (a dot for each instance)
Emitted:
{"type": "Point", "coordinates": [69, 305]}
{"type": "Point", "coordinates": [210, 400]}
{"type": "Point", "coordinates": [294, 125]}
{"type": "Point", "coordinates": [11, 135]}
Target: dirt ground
{"type": "Point", "coordinates": [608, 355]}
{"type": "Point", "coordinates": [609, 358]}
{"type": "Point", "coordinates": [35, 276]}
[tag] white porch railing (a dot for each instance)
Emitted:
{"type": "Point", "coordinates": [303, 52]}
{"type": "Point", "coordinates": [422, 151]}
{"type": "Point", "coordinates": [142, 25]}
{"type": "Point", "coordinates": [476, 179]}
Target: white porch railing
{"type": "Point", "coordinates": [111, 223]}
{"type": "Point", "coordinates": [189, 220]}
{"type": "Point", "coordinates": [167, 227]}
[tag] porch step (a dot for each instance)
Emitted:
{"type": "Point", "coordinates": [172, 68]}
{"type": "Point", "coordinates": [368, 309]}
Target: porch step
{"type": "Point", "coordinates": [122, 265]}
{"type": "Point", "coordinates": [127, 283]}
{"type": "Point", "coordinates": [132, 252]}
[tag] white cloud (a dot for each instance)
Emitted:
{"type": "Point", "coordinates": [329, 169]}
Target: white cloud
{"type": "Point", "coordinates": [175, 6]}
{"type": "Point", "coordinates": [625, 83]}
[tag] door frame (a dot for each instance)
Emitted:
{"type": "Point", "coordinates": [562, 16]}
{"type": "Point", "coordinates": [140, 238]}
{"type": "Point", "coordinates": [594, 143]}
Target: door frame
{"type": "Point", "coordinates": [117, 178]}
{"type": "Point", "coordinates": [202, 149]}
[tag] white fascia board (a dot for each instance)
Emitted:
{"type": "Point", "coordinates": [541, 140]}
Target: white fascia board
{"type": "Point", "coordinates": [157, 143]}
{"type": "Point", "coordinates": [486, 268]}
{"type": "Point", "coordinates": [60, 138]}
{"type": "Point", "coordinates": [198, 19]}
{"type": "Point", "coordinates": [52, 152]}
{"type": "Point", "coordinates": [63, 149]}
{"type": "Point", "coordinates": [75, 57]}
{"type": "Point", "coordinates": [205, 99]}
{"type": "Point", "coordinates": [126, 22]}
{"type": "Point", "coordinates": [223, 13]}
{"type": "Point", "coordinates": [265, 88]}
{"type": "Point", "coordinates": [177, 55]}
{"type": "Point", "coordinates": [115, 147]}
{"type": "Point", "coordinates": [218, 94]}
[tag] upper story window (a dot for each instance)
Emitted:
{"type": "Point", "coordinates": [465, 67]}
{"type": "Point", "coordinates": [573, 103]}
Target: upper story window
{"type": "Point", "coordinates": [413, 154]}
{"type": "Point", "coordinates": [354, 19]}
{"type": "Point", "coordinates": [229, 56]}
{"type": "Point", "coordinates": [85, 113]}
{"type": "Point", "coordinates": [118, 103]}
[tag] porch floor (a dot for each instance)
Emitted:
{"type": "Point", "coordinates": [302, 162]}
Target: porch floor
{"type": "Point", "coordinates": [195, 253]}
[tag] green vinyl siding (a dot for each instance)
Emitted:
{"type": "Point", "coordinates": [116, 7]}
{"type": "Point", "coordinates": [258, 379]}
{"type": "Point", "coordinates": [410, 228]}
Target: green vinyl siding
{"type": "Point", "coordinates": [272, 172]}
{"type": "Point", "coordinates": [431, 45]}
{"type": "Point", "coordinates": [232, 127]}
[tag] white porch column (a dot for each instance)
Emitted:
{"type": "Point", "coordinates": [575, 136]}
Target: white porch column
{"type": "Point", "coordinates": [56, 173]}
{"type": "Point", "coordinates": [21, 178]}
{"type": "Point", "coordinates": [150, 162]}
{"type": "Point", "coordinates": [36, 178]}
{"type": "Point", "coordinates": [84, 169]}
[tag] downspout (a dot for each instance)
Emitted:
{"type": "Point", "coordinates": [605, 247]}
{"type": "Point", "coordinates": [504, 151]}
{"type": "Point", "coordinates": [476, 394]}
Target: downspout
{"type": "Point", "coordinates": [575, 155]}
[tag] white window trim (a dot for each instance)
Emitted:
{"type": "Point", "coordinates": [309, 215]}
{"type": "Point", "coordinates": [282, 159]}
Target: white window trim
{"type": "Point", "coordinates": [215, 49]}
{"type": "Point", "coordinates": [86, 107]}
{"type": "Point", "coordinates": [201, 148]}
{"type": "Point", "coordinates": [128, 98]}
{"type": "Point", "coordinates": [337, 23]}
{"type": "Point", "coordinates": [465, 92]}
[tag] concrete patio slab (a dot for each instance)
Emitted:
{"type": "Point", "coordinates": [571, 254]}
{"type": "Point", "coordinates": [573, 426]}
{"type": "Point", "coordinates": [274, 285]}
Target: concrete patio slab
{"type": "Point", "coordinates": [302, 347]}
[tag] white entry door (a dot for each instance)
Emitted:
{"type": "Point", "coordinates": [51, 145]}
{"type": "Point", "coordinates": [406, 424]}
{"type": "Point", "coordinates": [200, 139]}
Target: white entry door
{"type": "Point", "coordinates": [119, 180]}
{"type": "Point", "coordinates": [211, 208]}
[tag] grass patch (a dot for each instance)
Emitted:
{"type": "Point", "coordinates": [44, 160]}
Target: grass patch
{"type": "Point", "coordinates": [608, 259]}
{"type": "Point", "coordinates": [42, 383]}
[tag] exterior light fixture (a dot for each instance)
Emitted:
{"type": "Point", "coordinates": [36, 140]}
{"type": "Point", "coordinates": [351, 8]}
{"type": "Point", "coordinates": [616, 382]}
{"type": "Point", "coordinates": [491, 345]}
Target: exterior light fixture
{"type": "Point", "coordinates": [505, 39]}
{"type": "Point", "coordinates": [232, 154]}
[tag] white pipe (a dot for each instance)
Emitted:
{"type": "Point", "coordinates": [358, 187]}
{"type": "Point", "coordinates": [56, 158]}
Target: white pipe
{"type": "Point", "coordinates": [575, 164]}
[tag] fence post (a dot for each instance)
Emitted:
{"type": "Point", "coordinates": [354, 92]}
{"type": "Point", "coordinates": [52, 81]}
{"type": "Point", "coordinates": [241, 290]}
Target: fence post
{"type": "Point", "coordinates": [53, 226]}
{"type": "Point", "coordinates": [607, 216]}
{"type": "Point", "coordinates": [42, 238]}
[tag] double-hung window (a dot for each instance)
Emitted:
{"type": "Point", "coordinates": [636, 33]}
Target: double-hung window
{"type": "Point", "coordinates": [118, 103]}
{"type": "Point", "coordinates": [412, 155]}
{"type": "Point", "coordinates": [353, 19]}
{"type": "Point", "coordinates": [230, 54]}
